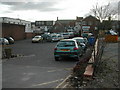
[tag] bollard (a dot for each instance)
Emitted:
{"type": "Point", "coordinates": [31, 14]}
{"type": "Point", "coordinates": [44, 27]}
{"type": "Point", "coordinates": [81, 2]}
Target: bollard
{"type": "Point", "coordinates": [8, 52]}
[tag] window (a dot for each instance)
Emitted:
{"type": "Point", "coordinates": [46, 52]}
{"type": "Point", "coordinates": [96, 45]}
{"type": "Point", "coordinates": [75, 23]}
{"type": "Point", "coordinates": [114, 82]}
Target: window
{"type": "Point", "coordinates": [66, 44]}
{"type": "Point", "coordinates": [42, 23]}
{"type": "Point", "coordinates": [37, 23]}
{"type": "Point", "coordinates": [48, 22]}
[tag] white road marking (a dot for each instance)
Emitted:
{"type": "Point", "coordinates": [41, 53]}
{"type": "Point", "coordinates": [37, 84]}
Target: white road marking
{"type": "Point", "coordinates": [60, 69]}
{"type": "Point", "coordinates": [47, 83]}
{"type": "Point", "coordinates": [32, 55]}
{"type": "Point", "coordinates": [52, 70]}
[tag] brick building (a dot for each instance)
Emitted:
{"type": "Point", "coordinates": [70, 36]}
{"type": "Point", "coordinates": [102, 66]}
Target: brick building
{"type": "Point", "coordinates": [79, 25]}
{"type": "Point", "coordinates": [90, 24]}
{"type": "Point", "coordinates": [16, 28]}
{"type": "Point", "coordinates": [15, 31]}
{"type": "Point", "coordinates": [63, 25]}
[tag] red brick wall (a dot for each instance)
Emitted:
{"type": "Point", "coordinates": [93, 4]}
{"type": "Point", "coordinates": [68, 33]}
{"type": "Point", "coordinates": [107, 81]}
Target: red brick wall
{"type": "Point", "coordinates": [30, 35]}
{"type": "Point", "coordinates": [16, 31]}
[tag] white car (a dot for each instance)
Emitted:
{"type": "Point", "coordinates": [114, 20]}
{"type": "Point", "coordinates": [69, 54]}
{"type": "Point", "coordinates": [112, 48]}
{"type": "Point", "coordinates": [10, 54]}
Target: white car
{"type": "Point", "coordinates": [37, 39]}
{"type": "Point", "coordinates": [82, 41]}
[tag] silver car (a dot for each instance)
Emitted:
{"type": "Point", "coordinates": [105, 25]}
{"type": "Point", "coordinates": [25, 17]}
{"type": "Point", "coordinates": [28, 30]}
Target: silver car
{"type": "Point", "coordinates": [4, 41]}
{"type": "Point", "coordinates": [82, 41]}
{"type": "Point", "coordinates": [66, 35]}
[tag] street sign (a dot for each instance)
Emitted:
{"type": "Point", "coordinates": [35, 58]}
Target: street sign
{"type": "Point", "coordinates": [85, 27]}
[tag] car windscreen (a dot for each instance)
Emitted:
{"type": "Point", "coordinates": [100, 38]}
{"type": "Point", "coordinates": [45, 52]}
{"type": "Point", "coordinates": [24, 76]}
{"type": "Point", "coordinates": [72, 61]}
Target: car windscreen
{"type": "Point", "coordinates": [66, 44]}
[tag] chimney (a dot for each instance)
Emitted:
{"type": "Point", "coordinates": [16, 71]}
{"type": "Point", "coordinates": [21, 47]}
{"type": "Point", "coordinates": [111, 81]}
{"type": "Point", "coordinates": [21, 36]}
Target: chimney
{"type": "Point", "coordinates": [57, 18]}
{"type": "Point", "coordinates": [79, 18]}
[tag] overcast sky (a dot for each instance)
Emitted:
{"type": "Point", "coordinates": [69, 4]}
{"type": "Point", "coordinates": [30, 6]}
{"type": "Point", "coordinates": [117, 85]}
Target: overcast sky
{"type": "Point", "coordinates": [33, 10]}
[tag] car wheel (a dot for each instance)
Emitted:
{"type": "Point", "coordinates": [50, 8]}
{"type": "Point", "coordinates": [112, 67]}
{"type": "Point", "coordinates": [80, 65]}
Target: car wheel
{"type": "Point", "coordinates": [39, 41]}
{"type": "Point", "coordinates": [57, 59]}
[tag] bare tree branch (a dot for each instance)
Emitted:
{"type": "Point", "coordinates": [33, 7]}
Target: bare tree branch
{"type": "Point", "coordinates": [103, 12]}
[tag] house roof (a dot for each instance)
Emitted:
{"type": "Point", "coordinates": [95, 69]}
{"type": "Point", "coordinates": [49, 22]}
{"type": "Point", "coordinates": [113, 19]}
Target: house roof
{"type": "Point", "coordinates": [90, 17]}
{"type": "Point", "coordinates": [65, 21]}
{"type": "Point", "coordinates": [79, 19]}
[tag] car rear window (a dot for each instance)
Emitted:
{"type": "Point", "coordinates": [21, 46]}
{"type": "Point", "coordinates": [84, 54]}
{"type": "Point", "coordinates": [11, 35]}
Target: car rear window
{"type": "Point", "coordinates": [66, 44]}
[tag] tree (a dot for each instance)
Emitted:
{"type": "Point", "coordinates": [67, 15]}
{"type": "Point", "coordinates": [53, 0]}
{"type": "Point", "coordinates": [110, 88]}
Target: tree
{"type": "Point", "coordinates": [104, 12]}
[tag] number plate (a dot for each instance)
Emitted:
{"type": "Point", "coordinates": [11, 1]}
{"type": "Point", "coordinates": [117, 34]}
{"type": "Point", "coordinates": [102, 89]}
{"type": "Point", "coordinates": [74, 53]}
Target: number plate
{"type": "Point", "coordinates": [65, 50]}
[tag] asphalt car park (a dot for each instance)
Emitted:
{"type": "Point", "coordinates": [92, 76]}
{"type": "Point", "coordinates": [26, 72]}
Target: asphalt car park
{"type": "Point", "coordinates": [34, 66]}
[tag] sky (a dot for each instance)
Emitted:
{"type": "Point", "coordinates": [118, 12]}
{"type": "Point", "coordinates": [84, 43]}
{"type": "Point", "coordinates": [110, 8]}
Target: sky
{"type": "Point", "coordinates": [36, 10]}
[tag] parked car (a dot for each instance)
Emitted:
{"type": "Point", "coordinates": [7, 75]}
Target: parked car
{"type": "Point", "coordinates": [68, 48]}
{"type": "Point", "coordinates": [55, 37]}
{"type": "Point", "coordinates": [80, 39]}
{"type": "Point", "coordinates": [37, 39]}
{"type": "Point", "coordinates": [46, 36]}
{"type": "Point", "coordinates": [4, 41]}
{"type": "Point", "coordinates": [60, 36]}
{"type": "Point", "coordinates": [71, 34]}
{"type": "Point", "coordinates": [10, 39]}
{"type": "Point", "coordinates": [82, 42]}
{"type": "Point", "coordinates": [65, 35]}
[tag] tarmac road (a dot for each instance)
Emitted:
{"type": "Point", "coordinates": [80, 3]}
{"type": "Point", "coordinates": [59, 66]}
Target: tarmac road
{"type": "Point", "coordinates": [35, 68]}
